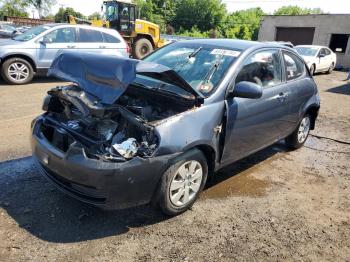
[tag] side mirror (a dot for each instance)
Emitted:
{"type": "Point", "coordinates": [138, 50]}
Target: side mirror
{"type": "Point", "coordinates": [247, 89]}
{"type": "Point", "coordinates": [44, 41]}
{"type": "Point", "coordinates": [321, 55]}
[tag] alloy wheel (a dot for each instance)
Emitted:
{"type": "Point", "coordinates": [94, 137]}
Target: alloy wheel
{"type": "Point", "coordinates": [304, 129]}
{"type": "Point", "coordinates": [18, 71]}
{"type": "Point", "coordinates": [186, 183]}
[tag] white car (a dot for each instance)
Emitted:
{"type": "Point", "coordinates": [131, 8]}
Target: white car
{"type": "Point", "coordinates": [318, 58]}
{"type": "Point", "coordinates": [32, 52]}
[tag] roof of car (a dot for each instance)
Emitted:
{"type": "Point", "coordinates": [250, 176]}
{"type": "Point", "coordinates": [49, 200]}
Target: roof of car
{"type": "Point", "coordinates": [227, 43]}
{"type": "Point", "coordinates": [102, 29]}
{"type": "Point", "coordinates": [314, 46]}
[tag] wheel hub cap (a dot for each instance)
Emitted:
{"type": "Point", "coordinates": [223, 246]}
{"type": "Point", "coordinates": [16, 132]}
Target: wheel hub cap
{"type": "Point", "coordinates": [304, 129]}
{"type": "Point", "coordinates": [18, 71]}
{"type": "Point", "coordinates": [186, 183]}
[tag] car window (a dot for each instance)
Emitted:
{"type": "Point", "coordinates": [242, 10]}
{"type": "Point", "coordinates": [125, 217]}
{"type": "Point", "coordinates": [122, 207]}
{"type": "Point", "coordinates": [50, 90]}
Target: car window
{"type": "Point", "coordinates": [31, 33]}
{"type": "Point", "coordinates": [110, 38]}
{"type": "Point", "coordinates": [294, 67]}
{"type": "Point", "coordinates": [263, 68]}
{"type": "Point", "coordinates": [322, 52]}
{"type": "Point", "coordinates": [132, 13]}
{"type": "Point", "coordinates": [8, 28]}
{"type": "Point", "coordinates": [201, 66]}
{"type": "Point", "coordinates": [90, 36]}
{"type": "Point", "coordinates": [328, 52]}
{"type": "Point", "coordinates": [62, 35]}
{"type": "Point", "coordinates": [306, 51]}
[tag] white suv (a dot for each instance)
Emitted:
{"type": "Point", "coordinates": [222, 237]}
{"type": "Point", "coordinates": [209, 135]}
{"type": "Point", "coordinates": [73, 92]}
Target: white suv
{"type": "Point", "coordinates": [32, 53]}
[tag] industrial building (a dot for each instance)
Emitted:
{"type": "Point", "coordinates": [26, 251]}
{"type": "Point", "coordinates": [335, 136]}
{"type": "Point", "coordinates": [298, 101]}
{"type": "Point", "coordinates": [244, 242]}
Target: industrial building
{"type": "Point", "coordinates": [331, 30]}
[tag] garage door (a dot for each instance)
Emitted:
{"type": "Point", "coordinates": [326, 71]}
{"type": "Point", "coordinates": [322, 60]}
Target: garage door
{"type": "Point", "coordinates": [296, 35]}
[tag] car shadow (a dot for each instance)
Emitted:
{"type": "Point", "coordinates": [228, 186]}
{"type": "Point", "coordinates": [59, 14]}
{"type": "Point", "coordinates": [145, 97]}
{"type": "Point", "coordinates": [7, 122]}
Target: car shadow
{"type": "Point", "coordinates": [46, 213]}
{"type": "Point", "coordinates": [343, 89]}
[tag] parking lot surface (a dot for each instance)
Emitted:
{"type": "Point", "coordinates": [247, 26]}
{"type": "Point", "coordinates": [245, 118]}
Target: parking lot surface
{"type": "Point", "coordinates": [274, 205]}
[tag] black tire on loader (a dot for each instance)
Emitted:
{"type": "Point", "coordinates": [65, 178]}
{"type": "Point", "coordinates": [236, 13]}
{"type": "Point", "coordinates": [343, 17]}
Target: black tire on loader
{"type": "Point", "coordinates": [141, 48]}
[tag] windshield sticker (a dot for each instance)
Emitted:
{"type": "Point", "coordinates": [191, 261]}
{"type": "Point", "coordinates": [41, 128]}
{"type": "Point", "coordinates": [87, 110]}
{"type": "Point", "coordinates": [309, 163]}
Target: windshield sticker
{"type": "Point", "coordinates": [225, 52]}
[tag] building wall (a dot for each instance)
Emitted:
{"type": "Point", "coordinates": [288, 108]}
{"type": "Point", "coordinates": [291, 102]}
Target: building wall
{"type": "Point", "coordinates": [325, 26]}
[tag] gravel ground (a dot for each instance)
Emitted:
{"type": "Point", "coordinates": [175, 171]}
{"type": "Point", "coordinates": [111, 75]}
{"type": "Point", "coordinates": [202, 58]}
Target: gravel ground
{"type": "Point", "coordinates": [274, 205]}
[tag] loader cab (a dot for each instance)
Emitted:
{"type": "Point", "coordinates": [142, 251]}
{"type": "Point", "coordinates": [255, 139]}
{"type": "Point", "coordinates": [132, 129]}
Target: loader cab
{"type": "Point", "coordinates": [120, 15]}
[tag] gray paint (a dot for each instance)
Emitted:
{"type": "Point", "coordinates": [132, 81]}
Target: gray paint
{"type": "Point", "coordinates": [325, 25]}
{"type": "Point", "coordinates": [248, 124]}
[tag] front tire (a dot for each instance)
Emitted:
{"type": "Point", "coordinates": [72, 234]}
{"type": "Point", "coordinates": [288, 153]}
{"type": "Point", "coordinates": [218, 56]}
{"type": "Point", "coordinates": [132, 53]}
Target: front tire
{"type": "Point", "coordinates": [300, 134]}
{"type": "Point", "coordinates": [182, 183]}
{"type": "Point", "coordinates": [312, 69]}
{"type": "Point", "coordinates": [17, 71]}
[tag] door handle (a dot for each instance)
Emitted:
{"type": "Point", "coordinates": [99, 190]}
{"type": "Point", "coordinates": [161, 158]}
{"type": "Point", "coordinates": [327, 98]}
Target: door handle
{"type": "Point", "coordinates": [71, 46]}
{"type": "Point", "coordinates": [282, 97]}
{"type": "Point", "coordinates": [102, 46]}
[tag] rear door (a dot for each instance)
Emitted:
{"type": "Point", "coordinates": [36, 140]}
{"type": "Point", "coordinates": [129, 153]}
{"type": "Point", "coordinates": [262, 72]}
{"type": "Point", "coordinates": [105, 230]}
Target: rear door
{"type": "Point", "coordinates": [322, 60]}
{"type": "Point", "coordinates": [329, 57]}
{"type": "Point", "coordinates": [90, 40]}
{"type": "Point", "coordinates": [256, 123]}
{"type": "Point", "coordinates": [63, 38]}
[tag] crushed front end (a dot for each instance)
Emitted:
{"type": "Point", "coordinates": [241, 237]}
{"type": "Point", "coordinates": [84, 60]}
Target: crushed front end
{"type": "Point", "coordinates": [103, 149]}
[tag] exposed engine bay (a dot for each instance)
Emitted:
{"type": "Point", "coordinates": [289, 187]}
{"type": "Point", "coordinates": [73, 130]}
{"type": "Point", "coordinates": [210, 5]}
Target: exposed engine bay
{"type": "Point", "coordinates": [115, 132]}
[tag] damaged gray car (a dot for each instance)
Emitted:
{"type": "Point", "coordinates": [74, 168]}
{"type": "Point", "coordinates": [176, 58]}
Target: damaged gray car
{"type": "Point", "coordinates": [129, 132]}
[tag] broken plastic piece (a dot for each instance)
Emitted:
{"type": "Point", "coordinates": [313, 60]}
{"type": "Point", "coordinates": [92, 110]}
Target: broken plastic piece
{"type": "Point", "coordinates": [127, 149]}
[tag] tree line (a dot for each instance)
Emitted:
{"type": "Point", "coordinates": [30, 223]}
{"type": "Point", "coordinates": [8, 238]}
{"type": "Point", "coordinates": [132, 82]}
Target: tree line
{"type": "Point", "coordinates": [195, 18]}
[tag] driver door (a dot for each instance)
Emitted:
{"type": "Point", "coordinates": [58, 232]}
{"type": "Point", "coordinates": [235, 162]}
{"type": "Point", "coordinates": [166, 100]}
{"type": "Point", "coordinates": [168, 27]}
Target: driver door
{"type": "Point", "coordinates": [253, 124]}
{"type": "Point", "coordinates": [54, 41]}
{"type": "Point", "coordinates": [322, 59]}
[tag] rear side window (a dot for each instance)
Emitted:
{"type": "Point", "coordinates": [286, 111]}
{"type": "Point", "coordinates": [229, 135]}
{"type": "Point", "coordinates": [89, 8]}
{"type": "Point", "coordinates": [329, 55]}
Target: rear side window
{"type": "Point", "coordinates": [294, 67]}
{"type": "Point", "coordinates": [328, 52]}
{"type": "Point", "coordinates": [110, 38]}
{"type": "Point", "coordinates": [262, 68]}
{"type": "Point", "coordinates": [90, 36]}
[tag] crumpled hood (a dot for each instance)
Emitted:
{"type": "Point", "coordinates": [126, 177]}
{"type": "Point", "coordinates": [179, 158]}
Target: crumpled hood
{"type": "Point", "coordinates": [108, 77]}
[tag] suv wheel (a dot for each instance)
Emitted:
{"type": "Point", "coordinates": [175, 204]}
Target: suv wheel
{"type": "Point", "coordinates": [17, 71]}
{"type": "Point", "coordinates": [300, 134]}
{"type": "Point", "coordinates": [182, 183]}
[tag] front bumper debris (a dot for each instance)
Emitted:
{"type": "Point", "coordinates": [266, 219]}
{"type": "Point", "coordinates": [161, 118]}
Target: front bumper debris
{"type": "Point", "coordinates": [108, 185]}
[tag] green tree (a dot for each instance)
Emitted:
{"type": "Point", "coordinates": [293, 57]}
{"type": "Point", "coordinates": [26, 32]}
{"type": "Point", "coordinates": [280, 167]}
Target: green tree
{"type": "Point", "coordinates": [95, 15]}
{"type": "Point", "coordinates": [296, 10]}
{"type": "Point", "coordinates": [243, 24]}
{"type": "Point", "coordinates": [63, 13]}
{"type": "Point", "coordinates": [13, 8]}
{"type": "Point", "coordinates": [204, 14]}
{"type": "Point", "coordinates": [42, 6]}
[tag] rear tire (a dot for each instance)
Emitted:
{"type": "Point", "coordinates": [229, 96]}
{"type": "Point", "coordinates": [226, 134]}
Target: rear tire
{"type": "Point", "coordinates": [300, 134]}
{"type": "Point", "coordinates": [141, 48]}
{"type": "Point", "coordinates": [17, 71]}
{"type": "Point", "coordinates": [182, 183]}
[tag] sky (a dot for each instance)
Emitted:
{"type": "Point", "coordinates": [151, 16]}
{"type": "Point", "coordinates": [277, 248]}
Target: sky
{"type": "Point", "coordinates": [87, 7]}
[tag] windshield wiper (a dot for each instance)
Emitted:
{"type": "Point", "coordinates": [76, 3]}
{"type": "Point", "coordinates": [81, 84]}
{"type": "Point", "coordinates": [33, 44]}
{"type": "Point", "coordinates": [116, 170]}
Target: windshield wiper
{"type": "Point", "coordinates": [213, 69]}
{"type": "Point", "coordinates": [193, 54]}
{"type": "Point", "coordinates": [159, 88]}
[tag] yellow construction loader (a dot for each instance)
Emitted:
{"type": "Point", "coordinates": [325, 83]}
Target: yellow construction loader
{"type": "Point", "coordinates": [142, 36]}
